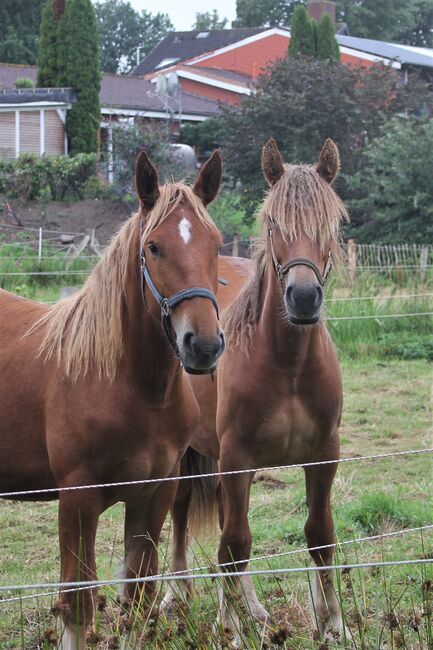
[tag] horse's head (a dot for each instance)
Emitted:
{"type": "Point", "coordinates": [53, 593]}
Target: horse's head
{"type": "Point", "coordinates": [302, 215]}
{"type": "Point", "coordinates": [179, 251]}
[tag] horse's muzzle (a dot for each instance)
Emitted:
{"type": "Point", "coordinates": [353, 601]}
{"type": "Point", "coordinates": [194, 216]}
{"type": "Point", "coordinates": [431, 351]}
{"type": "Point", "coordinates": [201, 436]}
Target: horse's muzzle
{"type": "Point", "coordinates": [200, 355]}
{"type": "Point", "coordinates": [303, 303]}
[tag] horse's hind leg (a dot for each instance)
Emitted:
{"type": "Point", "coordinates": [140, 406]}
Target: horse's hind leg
{"type": "Point", "coordinates": [78, 519]}
{"type": "Point", "coordinates": [180, 544]}
{"type": "Point", "coordinates": [319, 531]}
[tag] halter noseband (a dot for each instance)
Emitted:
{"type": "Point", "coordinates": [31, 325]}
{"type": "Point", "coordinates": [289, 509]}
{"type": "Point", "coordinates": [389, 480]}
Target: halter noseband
{"type": "Point", "coordinates": [282, 269]}
{"type": "Point", "coordinates": [167, 304]}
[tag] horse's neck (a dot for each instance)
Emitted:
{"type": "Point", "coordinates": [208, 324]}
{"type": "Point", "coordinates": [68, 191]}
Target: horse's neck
{"type": "Point", "coordinates": [285, 342]}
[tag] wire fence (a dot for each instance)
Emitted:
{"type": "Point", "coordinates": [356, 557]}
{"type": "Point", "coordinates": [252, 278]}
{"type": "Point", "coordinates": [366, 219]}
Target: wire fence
{"type": "Point", "coordinates": [250, 470]}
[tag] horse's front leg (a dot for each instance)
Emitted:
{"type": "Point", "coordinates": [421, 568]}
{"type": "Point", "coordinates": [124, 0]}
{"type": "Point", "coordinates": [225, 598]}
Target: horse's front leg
{"type": "Point", "coordinates": [144, 518]}
{"type": "Point", "coordinates": [78, 519]}
{"type": "Point", "coordinates": [235, 546]}
{"type": "Point", "coordinates": [319, 531]}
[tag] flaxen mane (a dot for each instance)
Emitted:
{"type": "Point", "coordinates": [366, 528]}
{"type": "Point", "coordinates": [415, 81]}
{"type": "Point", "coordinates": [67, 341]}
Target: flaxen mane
{"type": "Point", "coordinates": [301, 202]}
{"type": "Point", "coordinates": [86, 329]}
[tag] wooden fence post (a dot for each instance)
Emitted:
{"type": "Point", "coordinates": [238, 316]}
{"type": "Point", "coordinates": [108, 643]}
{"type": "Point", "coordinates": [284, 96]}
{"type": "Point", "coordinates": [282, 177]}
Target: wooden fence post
{"type": "Point", "coordinates": [235, 248]}
{"type": "Point", "coordinates": [423, 262]}
{"type": "Point", "coordinates": [351, 259]}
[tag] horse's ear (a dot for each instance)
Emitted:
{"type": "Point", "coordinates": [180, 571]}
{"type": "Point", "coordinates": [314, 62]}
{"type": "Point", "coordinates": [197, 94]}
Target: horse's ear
{"type": "Point", "coordinates": [209, 180]}
{"type": "Point", "coordinates": [329, 161]}
{"type": "Point", "coordinates": [146, 180]}
{"type": "Point", "coordinates": [272, 162]}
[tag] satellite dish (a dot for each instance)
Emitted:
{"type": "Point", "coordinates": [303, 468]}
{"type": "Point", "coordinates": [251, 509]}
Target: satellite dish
{"type": "Point", "coordinates": [172, 84]}
{"type": "Point", "coordinates": [161, 85]}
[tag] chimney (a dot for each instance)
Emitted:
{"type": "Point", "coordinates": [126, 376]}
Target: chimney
{"type": "Point", "coordinates": [316, 9]}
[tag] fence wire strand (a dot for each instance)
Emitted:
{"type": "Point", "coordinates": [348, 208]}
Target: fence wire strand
{"type": "Point", "coordinates": [252, 470]}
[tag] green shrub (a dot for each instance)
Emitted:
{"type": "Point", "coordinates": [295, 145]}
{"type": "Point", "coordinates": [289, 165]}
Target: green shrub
{"type": "Point", "coordinates": [24, 82]}
{"type": "Point", "coordinates": [34, 177]}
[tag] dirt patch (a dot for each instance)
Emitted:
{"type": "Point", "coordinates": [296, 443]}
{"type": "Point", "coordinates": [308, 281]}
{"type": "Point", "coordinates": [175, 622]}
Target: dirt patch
{"type": "Point", "coordinates": [104, 216]}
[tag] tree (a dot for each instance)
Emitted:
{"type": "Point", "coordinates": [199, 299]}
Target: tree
{"type": "Point", "coordinates": [302, 34]}
{"type": "Point", "coordinates": [327, 46]}
{"type": "Point", "coordinates": [48, 70]}
{"type": "Point", "coordinates": [79, 69]}
{"type": "Point", "coordinates": [208, 21]}
{"type": "Point", "coordinates": [401, 21]}
{"type": "Point", "coordinates": [259, 13]}
{"type": "Point", "coordinates": [206, 135]}
{"type": "Point", "coordinates": [129, 141]}
{"type": "Point", "coordinates": [19, 29]}
{"type": "Point", "coordinates": [122, 31]}
{"type": "Point", "coordinates": [300, 102]}
{"type": "Point", "coordinates": [394, 188]}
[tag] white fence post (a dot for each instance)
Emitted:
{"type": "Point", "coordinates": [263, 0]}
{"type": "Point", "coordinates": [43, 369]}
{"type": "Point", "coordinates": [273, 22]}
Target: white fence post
{"type": "Point", "coordinates": [40, 245]}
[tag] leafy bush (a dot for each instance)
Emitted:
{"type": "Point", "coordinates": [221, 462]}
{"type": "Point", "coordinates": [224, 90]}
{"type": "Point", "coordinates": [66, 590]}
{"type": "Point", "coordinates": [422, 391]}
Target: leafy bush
{"type": "Point", "coordinates": [24, 82]}
{"type": "Point", "coordinates": [34, 177]}
{"type": "Point", "coordinates": [129, 140]}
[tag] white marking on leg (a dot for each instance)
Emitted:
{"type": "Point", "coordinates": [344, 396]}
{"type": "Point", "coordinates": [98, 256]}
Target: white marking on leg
{"type": "Point", "coordinates": [185, 230]}
{"type": "Point", "coordinates": [72, 638]}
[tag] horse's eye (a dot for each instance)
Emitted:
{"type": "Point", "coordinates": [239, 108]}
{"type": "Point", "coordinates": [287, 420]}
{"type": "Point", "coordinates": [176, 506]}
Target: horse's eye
{"type": "Point", "coordinates": [153, 248]}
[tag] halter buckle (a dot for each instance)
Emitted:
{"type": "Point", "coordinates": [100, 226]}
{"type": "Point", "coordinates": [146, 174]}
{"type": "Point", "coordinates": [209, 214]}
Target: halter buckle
{"type": "Point", "coordinates": [165, 307]}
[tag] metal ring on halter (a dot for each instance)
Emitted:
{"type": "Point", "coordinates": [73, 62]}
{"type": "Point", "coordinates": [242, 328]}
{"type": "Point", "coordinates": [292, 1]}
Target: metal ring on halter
{"type": "Point", "coordinates": [167, 304]}
{"type": "Point", "coordinates": [282, 269]}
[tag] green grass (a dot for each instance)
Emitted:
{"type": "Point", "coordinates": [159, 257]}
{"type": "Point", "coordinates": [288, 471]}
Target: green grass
{"type": "Point", "coordinates": [386, 409]}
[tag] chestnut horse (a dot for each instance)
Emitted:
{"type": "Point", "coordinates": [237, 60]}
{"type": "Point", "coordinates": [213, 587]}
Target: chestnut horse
{"type": "Point", "coordinates": [279, 383]}
{"type": "Point", "coordinates": [91, 390]}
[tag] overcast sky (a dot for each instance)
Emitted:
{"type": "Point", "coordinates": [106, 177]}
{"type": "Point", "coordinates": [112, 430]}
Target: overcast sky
{"type": "Point", "coordinates": [182, 13]}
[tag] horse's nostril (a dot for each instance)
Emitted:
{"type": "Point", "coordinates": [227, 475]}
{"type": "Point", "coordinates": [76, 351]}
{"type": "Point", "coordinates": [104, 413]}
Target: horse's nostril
{"type": "Point", "coordinates": [319, 296]}
{"type": "Point", "coordinates": [188, 341]}
{"type": "Point", "coordinates": [289, 295]}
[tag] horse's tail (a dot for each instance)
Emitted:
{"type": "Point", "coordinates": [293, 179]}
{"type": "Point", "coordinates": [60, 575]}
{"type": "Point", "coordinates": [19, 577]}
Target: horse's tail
{"type": "Point", "coordinates": [203, 505]}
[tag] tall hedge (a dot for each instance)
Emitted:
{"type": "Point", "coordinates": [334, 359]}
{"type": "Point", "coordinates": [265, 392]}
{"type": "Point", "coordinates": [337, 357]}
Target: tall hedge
{"type": "Point", "coordinates": [78, 62]}
{"type": "Point", "coordinates": [47, 60]}
{"type": "Point", "coordinates": [327, 46]}
{"type": "Point", "coordinates": [302, 33]}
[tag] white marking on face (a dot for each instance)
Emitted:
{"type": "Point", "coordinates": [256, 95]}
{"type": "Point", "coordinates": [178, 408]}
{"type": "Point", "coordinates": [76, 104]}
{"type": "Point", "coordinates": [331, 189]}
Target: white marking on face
{"type": "Point", "coordinates": [185, 230]}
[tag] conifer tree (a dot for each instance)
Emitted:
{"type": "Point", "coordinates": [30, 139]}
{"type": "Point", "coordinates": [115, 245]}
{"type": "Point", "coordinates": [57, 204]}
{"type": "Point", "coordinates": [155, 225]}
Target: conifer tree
{"type": "Point", "coordinates": [327, 46]}
{"type": "Point", "coordinates": [47, 60]}
{"type": "Point", "coordinates": [302, 33]}
{"type": "Point", "coordinates": [79, 69]}
{"type": "Point", "coordinates": [48, 67]}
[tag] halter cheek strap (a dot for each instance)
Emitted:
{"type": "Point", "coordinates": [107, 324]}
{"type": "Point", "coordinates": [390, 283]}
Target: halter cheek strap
{"type": "Point", "coordinates": [166, 305]}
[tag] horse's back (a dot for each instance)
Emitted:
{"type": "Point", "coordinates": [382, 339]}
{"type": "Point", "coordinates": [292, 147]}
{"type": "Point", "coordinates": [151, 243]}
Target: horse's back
{"type": "Point", "coordinates": [237, 271]}
{"type": "Point", "coordinates": [23, 455]}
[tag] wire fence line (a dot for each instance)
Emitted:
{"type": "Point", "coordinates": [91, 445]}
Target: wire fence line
{"type": "Point", "coordinates": [252, 470]}
{"type": "Point", "coordinates": [257, 558]}
{"type": "Point", "coordinates": [86, 584]}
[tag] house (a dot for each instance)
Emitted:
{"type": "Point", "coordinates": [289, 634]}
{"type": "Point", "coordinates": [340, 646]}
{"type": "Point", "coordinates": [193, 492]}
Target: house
{"type": "Point", "coordinates": [224, 64]}
{"type": "Point", "coordinates": [33, 120]}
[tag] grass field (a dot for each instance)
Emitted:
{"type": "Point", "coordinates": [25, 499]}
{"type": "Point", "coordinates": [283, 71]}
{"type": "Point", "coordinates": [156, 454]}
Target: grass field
{"type": "Point", "coordinates": [388, 381]}
{"type": "Point", "coordinates": [386, 409]}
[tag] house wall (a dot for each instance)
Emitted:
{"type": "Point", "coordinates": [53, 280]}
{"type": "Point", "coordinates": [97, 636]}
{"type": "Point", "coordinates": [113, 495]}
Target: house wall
{"type": "Point", "coordinates": [54, 133]}
{"type": "Point", "coordinates": [7, 135]}
{"type": "Point", "coordinates": [30, 133]}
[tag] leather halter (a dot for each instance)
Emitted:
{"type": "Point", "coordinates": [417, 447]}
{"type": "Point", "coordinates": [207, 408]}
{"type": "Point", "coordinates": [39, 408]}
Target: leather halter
{"type": "Point", "coordinates": [166, 305]}
{"type": "Point", "coordinates": [282, 269]}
